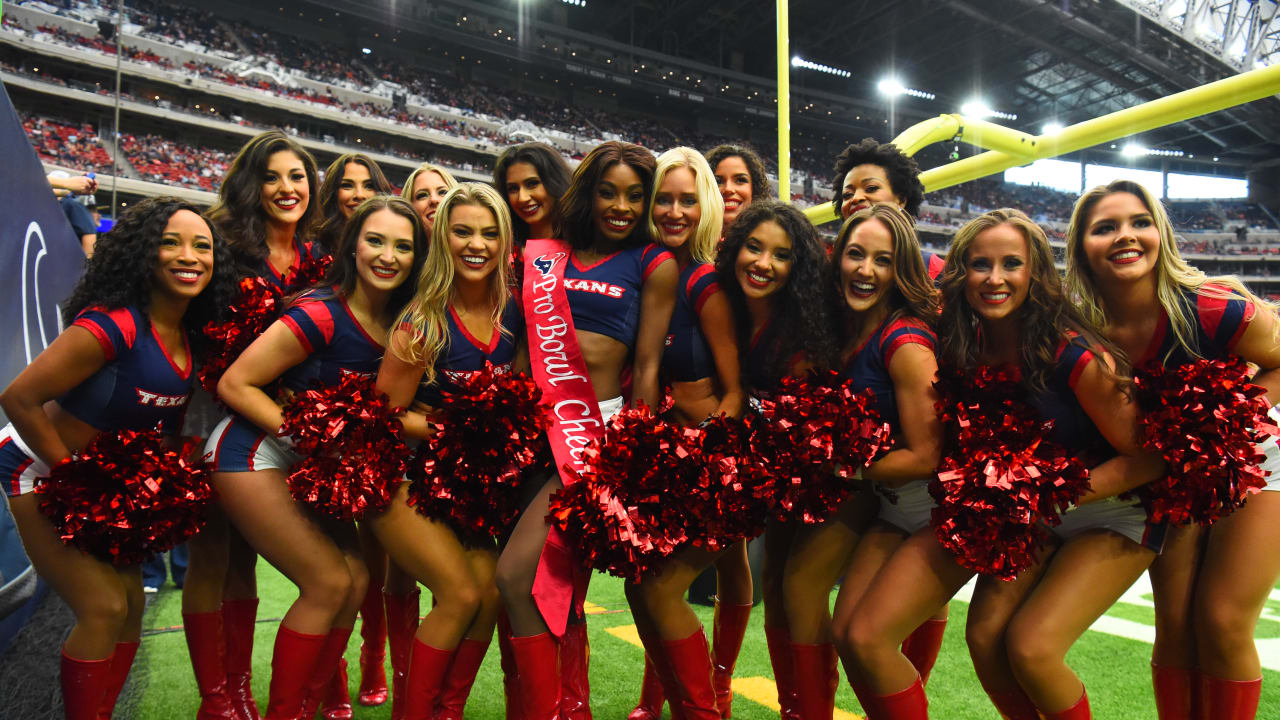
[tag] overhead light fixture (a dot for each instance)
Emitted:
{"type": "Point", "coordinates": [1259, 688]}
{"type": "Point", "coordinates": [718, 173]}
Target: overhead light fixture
{"type": "Point", "coordinates": [893, 87]}
{"type": "Point", "coordinates": [1133, 150]}
{"type": "Point", "coordinates": [800, 62]}
{"type": "Point", "coordinates": [576, 3]}
{"type": "Point", "coordinates": [366, 50]}
{"type": "Point", "coordinates": [980, 109]}
{"type": "Point", "coordinates": [1051, 128]}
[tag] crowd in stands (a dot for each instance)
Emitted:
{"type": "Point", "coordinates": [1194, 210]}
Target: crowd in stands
{"type": "Point", "coordinates": [73, 146]}
{"type": "Point", "coordinates": [164, 161]}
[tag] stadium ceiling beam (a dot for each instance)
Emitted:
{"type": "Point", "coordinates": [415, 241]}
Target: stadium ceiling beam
{"type": "Point", "coordinates": [1237, 33]}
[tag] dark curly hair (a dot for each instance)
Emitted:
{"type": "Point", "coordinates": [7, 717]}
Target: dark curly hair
{"type": "Point", "coordinates": [575, 223]}
{"type": "Point", "coordinates": [552, 170]}
{"type": "Point", "coordinates": [901, 170]}
{"type": "Point", "coordinates": [760, 187]}
{"type": "Point", "coordinates": [800, 323]}
{"type": "Point", "coordinates": [120, 272]}
{"type": "Point", "coordinates": [332, 219]}
{"type": "Point", "coordinates": [238, 210]}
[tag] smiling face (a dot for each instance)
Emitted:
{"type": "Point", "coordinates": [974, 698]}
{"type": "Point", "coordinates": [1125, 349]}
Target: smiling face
{"type": "Point", "coordinates": [355, 187]}
{"type": "Point", "coordinates": [285, 191]}
{"type": "Point", "coordinates": [676, 212]}
{"type": "Point", "coordinates": [527, 195]}
{"type": "Point", "coordinates": [1121, 239]}
{"type": "Point", "coordinates": [999, 272]}
{"type": "Point", "coordinates": [384, 251]}
{"type": "Point", "coordinates": [184, 262]}
{"type": "Point", "coordinates": [474, 242]}
{"type": "Point", "coordinates": [619, 203]}
{"type": "Point", "coordinates": [734, 180]}
{"type": "Point", "coordinates": [866, 266]}
{"type": "Point", "coordinates": [428, 190]}
{"type": "Point", "coordinates": [865, 185]}
{"type": "Point", "coordinates": [764, 262]}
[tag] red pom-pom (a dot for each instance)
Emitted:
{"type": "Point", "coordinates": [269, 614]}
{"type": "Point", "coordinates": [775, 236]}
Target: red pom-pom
{"type": "Point", "coordinates": [811, 437]}
{"type": "Point", "coordinates": [352, 446]}
{"type": "Point", "coordinates": [256, 308]}
{"type": "Point", "coordinates": [309, 273]}
{"type": "Point", "coordinates": [487, 435]}
{"type": "Point", "coordinates": [1205, 419]}
{"type": "Point", "coordinates": [742, 495]}
{"type": "Point", "coordinates": [1001, 483]}
{"type": "Point", "coordinates": [126, 496]}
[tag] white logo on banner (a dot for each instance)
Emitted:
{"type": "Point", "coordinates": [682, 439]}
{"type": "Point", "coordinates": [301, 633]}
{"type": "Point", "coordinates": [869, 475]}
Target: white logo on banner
{"type": "Point", "coordinates": [31, 293]}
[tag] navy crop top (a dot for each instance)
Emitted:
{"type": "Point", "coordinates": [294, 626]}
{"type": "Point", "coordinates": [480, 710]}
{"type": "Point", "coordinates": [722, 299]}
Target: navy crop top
{"type": "Point", "coordinates": [604, 298]}
{"type": "Point", "coordinates": [465, 354]}
{"type": "Point", "coordinates": [1219, 322]}
{"type": "Point", "coordinates": [140, 387]}
{"type": "Point", "coordinates": [336, 344]}
{"type": "Point", "coordinates": [868, 367]}
{"type": "Point", "coordinates": [687, 356]}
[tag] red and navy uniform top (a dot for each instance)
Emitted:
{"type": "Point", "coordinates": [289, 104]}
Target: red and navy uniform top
{"type": "Point", "coordinates": [465, 354]}
{"type": "Point", "coordinates": [604, 297]}
{"type": "Point", "coordinates": [336, 344]}
{"type": "Point", "coordinates": [140, 387]}
{"type": "Point", "coordinates": [687, 356]}
{"type": "Point", "coordinates": [1219, 318]}
{"type": "Point", "coordinates": [1073, 429]}
{"type": "Point", "coordinates": [933, 264]}
{"type": "Point", "coordinates": [868, 367]}
{"type": "Point", "coordinates": [303, 252]}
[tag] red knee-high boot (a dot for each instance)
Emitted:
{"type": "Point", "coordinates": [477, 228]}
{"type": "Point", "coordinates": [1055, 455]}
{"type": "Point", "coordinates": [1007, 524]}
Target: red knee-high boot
{"type": "Point", "coordinates": [651, 696]}
{"type": "Point", "coordinates": [510, 675]}
{"type": "Point", "coordinates": [727, 631]}
{"type": "Point", "coordinates": [575, 686]}
{"type": "Point", "coordinates": [427, 668]}
{"type": "Point", "coordinates": [815, 679]}
{"type": "Point", "coordinates": [690, 661]}
{"type": "Point", "coordinates": [459, 678]}
{"type": "Point", "coordinates": [1222, 699]}
{"type": "Point", "coordinates": [1175, 692]}
{"type": "Point", "coordinates": [121, 661]}
{"type": "Point", "coordinates": [538, 661]}
{"type": "Point", "coordinates": [1014, 705]}
{"type": "Point", "coordinates": [909, 704]}
{"type": "Point", "coordinates": [779, 641]}
{"type": "Point", "coordinates": [239, 618]}
{"type": "Point", "coordinates": [337, 698]}
{"type": "Point", "coordinates": [326, 666]}
{"type": "Point", "coordinates": [293, 662]}
{"type": "Point", "coordinates": [373, 649]}
{"type": "Point", "coordinates": [1079, 711]}
{"type": "Point", "coordinates": [922, 645]}
{"type": "Point", "coordinates": [205, 638]}
{"type": "Point", "coordinates": [84, 682]}
{"type": "Point", "coordinates": [402, 623]}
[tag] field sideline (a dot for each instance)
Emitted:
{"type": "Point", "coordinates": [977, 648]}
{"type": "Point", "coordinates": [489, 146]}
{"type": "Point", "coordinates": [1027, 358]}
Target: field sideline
{"type": "Point", "coordinates": [1112, 659]}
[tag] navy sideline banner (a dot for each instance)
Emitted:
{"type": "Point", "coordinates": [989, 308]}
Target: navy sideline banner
{"type": "Point", "coordinates": [40, 261]}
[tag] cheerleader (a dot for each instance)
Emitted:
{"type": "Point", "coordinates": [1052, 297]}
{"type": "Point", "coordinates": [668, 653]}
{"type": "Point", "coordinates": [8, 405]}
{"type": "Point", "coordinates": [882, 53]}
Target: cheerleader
{"type": "Point", "coordinates": [870, 172]}
{"type": "Point", "coordinates": [461, 317]}
{"type": "Point", "coordinates": [619, 290]}
{"type": "Point", "coordinates": [1123, 264]}
{"type": "Point", "coordinates": [334, 329]}
{"type": "Point", "coordinates": [264, 211]}
{"type": "Point", "coordinates": [882, 305]}
{"type": "Point", "coordinates": [533, 176]}
{"type": "Point", "coordinates": [1004, 305]}
{"type": "Point", "coordinates": [701, 363]}
{"type": "Point", "coordinates": [425, 188]}
{"type": "Point", "coordinates": [770, 267]}
{"type": "Point", "coordinates": [349, 181]}
{"type": "Point", "coordinates": [740, 178]}
{"type": "Point", "coordinates": [132, 325]}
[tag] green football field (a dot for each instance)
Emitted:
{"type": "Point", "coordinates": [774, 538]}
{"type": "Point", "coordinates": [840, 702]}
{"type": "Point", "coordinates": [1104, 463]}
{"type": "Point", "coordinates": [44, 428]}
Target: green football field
{"type": "Point", "coordinates": [1112, 659]}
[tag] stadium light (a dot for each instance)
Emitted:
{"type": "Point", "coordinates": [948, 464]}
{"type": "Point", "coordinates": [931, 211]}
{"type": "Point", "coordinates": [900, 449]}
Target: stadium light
{"type": "Point", "coordinates": [366, 51]}
{"type": "Point", "coordinates": [1051, 128]}
{"type": "Point", "coordinates": [893, 87]}
{"type": "Point", "coordinates": [797, 61]}
{"type": "Point", "coordinates": [980, 109]}
{"type": "Point", "coordinates": [576, 3]}
{"type": "Point", "coordinates": [1133, 150]}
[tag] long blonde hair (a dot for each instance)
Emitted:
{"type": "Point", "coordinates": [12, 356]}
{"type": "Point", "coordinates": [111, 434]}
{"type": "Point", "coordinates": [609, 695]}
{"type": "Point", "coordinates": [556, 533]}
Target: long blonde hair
{"type": "Point", "coordinates": [427, 314]}
{"type": "Point", "coordinates": [1173, 274]}
{"type": "Point", "coordinates": [449, 180]}
{"type": "Point", "coordinates": [711, 205]}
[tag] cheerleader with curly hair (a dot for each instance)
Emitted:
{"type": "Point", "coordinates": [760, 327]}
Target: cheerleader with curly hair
{"type": "Point", "coordinates": [132, 332]}
{"type": "Point", "coordinates": [336, 328]}
{"type": "Point", "coordinates": [1123, 264]}
{"type": "Point", "coordinates": [771, 270]}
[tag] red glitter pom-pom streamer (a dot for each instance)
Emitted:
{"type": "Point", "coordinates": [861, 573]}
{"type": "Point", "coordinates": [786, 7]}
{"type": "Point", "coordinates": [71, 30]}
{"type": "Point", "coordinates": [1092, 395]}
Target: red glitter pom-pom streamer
{"type": "Point", "coordinates": [812, 436]}
{"type": "Point", "coordinates": [1205, 419]}
{"type": "Point", "coordinates": [1001, 484]}
{"type": "Point", "coordinates": [487, 435]}
{"type": "Point", "coordinates": [309, 273]}
{"type": "Point", "coordinates": [352, 447]}
{"type": "Point", "coordinates": [126, 496]}
{"type": "Point", "coordinates": [258, 306]}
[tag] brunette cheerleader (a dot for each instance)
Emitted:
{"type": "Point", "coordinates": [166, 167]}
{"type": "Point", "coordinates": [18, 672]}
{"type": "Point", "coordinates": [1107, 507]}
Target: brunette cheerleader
{"type": "Point", "coordinates": [771, 270]}
{"type": "Point", "coordinates": [1004, 305]}
{"type": "Point", "coordinates": [264, 211]}
{"type": "Point", "coordinates": [533, 177]}
{"type": "Point", "coordinates": [619, 290]}
{"type": "Point", "coordinates": [334, 329]}
{"type": "Point", "coordinates": [461, 317]}
{"type": "Point", "coordinates": [1123, 264]}
{"type": "Point", "coordinates": [132, 324]}
{"type": "Point", "coordinates": [740, 178]}
{"type": "Point", "coordinates": [349, 181]}
{"type": "Point", "coordinates": [701, 364]}
{"type": "Point", "coordinates": [883, 305]}
{"type": "Point", "coordinates": [425, 188]}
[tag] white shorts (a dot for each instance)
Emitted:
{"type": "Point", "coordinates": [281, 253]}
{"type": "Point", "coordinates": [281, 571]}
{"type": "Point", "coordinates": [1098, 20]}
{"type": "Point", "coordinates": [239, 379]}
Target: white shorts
{"type": "Point", "coordinates": [1270, 448]}
{"type": "Point", "coordinates": [908, 508]}
{"type": "Point", "coordinates": [1125, 517]}
{"type": "Point", "coordinates": [609, 408]}
{"type": "Point", "coordinates": [19, 467]}
{"type": "Point", "coordinates": [237, 445]}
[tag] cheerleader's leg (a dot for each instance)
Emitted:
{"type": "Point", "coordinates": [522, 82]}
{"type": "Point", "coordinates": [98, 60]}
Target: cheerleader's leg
{"type": "Point", "coordinates": [373, 622]}
{"type": "Point", "coordinates": [735, 596]}
{"type": "Point", "coordinates": [872, 553]}
{"type": "Point", "coordinates": [1173, 657]}
{"type": "Point", "coordinates": [483, 560]}
{"type": "Point", "coordinates": [777, 546]}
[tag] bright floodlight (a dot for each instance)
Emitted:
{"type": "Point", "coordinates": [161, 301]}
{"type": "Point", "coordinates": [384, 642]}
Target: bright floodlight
{"type": "Point", "coordinates": [1133, 150]}
{"type": "Point", "coordinates": [1051, 128]}
{"type": "Point", "coordinates": [891, 86]}
{"type": "Point", "coordinates": [977, 109]}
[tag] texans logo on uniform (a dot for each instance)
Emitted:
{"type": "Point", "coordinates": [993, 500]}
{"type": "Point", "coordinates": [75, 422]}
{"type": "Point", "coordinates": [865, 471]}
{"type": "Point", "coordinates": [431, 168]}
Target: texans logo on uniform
{"type": "Point", "coordinates": [544, 264]}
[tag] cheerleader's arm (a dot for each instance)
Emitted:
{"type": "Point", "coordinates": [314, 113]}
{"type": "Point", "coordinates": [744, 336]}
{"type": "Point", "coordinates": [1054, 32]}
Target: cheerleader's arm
{"type": "Point", "coordinates": [1116, 417]}
{"type": "Point", "coordinates": [913, 369]}
{"type": "Point", "coordinates": [399, 379]}
{"type": "Point", "coordinates": [262, 363]}
{"type": "Point", "coordinates": [1260, 345]}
